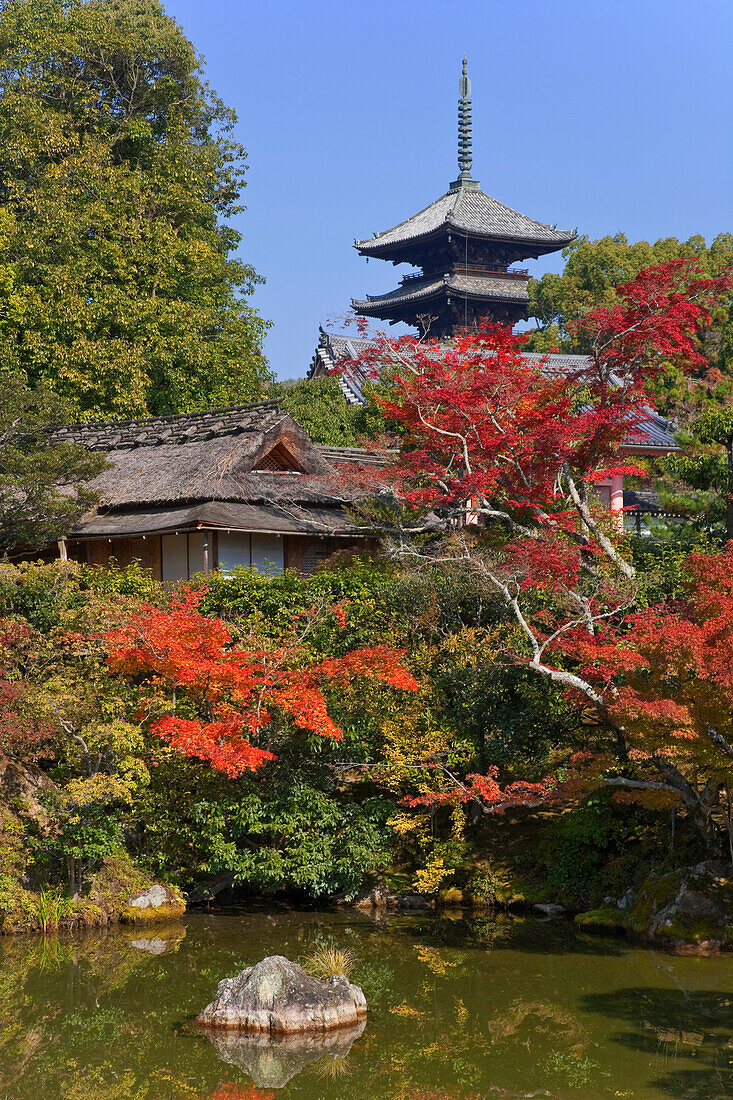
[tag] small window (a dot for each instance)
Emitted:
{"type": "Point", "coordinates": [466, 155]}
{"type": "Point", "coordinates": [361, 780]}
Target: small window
{"type": "Point", "coordinates": [313, 558]}
{"type": "Point", "coordinates": [279, 459]}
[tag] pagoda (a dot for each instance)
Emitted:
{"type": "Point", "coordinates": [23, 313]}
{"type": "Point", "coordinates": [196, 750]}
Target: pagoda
{"type": "Point", "coordinates": [464, 244]}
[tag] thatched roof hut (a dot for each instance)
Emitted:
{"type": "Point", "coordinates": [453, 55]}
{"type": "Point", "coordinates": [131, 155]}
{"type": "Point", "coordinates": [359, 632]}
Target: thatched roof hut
{"type": "Point", "coordinates": [215, 489]}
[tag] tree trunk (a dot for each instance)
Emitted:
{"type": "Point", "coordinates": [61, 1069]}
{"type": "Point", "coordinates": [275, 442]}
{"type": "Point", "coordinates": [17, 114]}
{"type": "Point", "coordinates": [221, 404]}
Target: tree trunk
{"type": "Point", "coordinates": [70, 874]}
{"type": "Point", "coordinates": [729, 487]}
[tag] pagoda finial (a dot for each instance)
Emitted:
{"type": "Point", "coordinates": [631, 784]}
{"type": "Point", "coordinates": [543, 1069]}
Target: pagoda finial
{"type": "Point", "coordinates": [465, 157]}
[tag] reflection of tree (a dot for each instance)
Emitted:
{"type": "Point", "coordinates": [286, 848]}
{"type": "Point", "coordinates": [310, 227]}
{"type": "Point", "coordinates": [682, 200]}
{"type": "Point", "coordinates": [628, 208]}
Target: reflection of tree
{"type": "Point", "coordinates": [677, 1023]}
{"type": "Point", "coordinates": [54, 987]}
{"type": "Point", "coordinates": [542, 1018]}
{"type": "Point", "coordinates": [104, 1017]}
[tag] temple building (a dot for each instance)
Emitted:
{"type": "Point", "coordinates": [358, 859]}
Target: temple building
{"type": "Point", "coordinates": [465, 244]}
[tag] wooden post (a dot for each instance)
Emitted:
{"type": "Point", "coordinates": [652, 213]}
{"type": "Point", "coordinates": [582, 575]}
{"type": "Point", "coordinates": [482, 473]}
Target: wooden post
{"type": "Point", "coordinates": [617, 500]}
{"type": "Point", "coordinates": [207, 565]}
{"type": "Point", "coordinates": [63, 555]}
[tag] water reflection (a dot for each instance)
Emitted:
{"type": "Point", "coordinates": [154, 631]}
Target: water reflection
{"type": "Point", "coordinates": [459, 1008]}
{"type": "Point", "coordinates": [272, 1062]}
{"type": "Point", "coordinates": [679, 1026]}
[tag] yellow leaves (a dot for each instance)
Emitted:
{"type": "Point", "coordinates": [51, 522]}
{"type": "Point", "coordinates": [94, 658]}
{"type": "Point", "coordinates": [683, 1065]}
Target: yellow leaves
{"type": "Point", "coordinates": [472, 647]}
{"type": "Point", "coordinates": [434, 959]}
{"type": "Point", "coordinates": [408, 1011]}
{"type": "Point", "coordinates": [429, 878]}
{"type": "Point", "coordinates": [99, 788]}
{"type": "Point", "coordinates": [404, 824]}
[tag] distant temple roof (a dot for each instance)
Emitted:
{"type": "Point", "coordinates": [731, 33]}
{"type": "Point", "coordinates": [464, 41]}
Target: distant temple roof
{"type": "Point", "coordinates": [470, 211]}
{"type": "Point", "coordinates": [464, 243]}
{"type": "Point", "coordinates": [337, 352]}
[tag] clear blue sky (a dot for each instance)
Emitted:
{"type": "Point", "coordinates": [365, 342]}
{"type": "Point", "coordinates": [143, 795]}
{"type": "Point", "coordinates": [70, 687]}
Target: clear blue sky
{"type": "Point", "coordinates": [606, 115]}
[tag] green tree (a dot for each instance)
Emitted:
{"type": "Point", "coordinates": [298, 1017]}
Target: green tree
{"type": "Point", "coordinates": [43, 484]}
{"type": "Point", "coordinates": [593, 270]}
{"type": "Point", "coordinates": [319, 406]}
{"type": "Point", "coordinates": [706, 467]}
{"type": "Point", "coordinates": [119, 284]}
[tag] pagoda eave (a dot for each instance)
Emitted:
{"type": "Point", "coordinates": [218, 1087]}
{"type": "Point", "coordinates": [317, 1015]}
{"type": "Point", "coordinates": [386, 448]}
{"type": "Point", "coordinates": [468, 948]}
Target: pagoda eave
{"type": "Point", "coordinates": [409, 251]}
{"type": "Point", "coordinates": [491, 289]}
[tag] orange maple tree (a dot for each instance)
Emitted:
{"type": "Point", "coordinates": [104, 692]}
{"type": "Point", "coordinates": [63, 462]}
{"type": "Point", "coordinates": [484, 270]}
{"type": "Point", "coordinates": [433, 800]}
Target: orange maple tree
{"type": "Point", "coordinates": [211, 698]}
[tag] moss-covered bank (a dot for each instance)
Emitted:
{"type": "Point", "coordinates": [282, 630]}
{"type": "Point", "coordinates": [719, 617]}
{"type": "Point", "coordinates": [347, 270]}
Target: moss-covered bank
{"type": "Point", "coordinates": [690, 908]}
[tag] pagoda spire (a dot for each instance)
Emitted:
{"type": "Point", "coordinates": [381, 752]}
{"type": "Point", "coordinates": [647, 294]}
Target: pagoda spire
{"type": "Point", "coordinates": [465, 156]}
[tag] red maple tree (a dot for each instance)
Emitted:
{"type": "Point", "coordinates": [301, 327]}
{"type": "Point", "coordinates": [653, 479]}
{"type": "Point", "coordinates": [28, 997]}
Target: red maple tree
{"type": "Point", "coordinates": [25, 730]}
{"type": "Point", "coordinates": [209, 698]}
{"type": "Point", "coordinates": [667, 673]}
{"type": "Point", "coordinates": [500, 454]}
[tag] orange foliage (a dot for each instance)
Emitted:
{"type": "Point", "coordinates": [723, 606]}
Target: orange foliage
{"type": "Point", "coordinates": [240, 1092]}
{"type": "Point", "coordinates": [232, 690]}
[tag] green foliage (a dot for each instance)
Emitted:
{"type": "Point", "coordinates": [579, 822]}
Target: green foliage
{"type": "Point", "coordinates": [593, 270]}
{"type": "Point", "coordinates": [706, 467]}
{"type": "Point", "coordinates": [485, 886]}
{"type": "Point", "coordinates": [309, 824]}
{"type": "Point", "coordinates": [277, 831]}
{"type": "Point", "coordinates": [319, 406]}
{"type": "Point", "coordinates": [595, 848]}
{"type": "Point", "coordinates": [49, 907]}
{"type": "Point", "coordinates": [86, 830]}
{"type": "Point", "coordinates": [43, 484]}
{"type": "Point", "coordinates": [119, 287]}
{"type": "Point", "coordinates": [660, 562]}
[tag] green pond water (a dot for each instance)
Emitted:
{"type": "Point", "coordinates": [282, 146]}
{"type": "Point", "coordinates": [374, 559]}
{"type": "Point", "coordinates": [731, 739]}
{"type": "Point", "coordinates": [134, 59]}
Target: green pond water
{"type": "Point", "coordinates": [459, 1007]}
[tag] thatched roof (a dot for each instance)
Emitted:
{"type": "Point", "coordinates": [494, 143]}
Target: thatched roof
{"type": "Point", "coordinates": [276, 519]}
{"type": "Point", "coordinates": [206, 469]}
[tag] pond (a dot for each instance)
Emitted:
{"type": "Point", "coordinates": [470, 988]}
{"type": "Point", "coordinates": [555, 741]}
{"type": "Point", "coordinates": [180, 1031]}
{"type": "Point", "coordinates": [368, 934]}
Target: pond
{"type": "Point", "coordinates": [461, 1007]}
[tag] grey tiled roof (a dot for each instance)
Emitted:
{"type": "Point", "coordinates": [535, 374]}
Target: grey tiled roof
{"type": "Point", "coordinates": [175, 430]}
{"type": "Point", "coordinates": [558, 364]}
{"type": "Point", "coordinates": [332, 348]}
{"type": "Point", "coordinates": [654, 433]}
{"type": "Point", "coordinates": [466, 285]}
{"type": "Point", "coordinates": [468, 211]}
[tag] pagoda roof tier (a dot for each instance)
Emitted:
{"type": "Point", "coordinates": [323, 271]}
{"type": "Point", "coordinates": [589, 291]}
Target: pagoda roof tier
{"type": "Point", "coordinates": [485, 289]}
{"type": "Point", "coordinates": [467, 211]}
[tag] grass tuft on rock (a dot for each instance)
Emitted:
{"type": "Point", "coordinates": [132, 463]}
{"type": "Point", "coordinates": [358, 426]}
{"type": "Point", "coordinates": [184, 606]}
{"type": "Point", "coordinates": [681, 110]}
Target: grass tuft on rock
{"type": "Point", "coordinates": [328, 959]}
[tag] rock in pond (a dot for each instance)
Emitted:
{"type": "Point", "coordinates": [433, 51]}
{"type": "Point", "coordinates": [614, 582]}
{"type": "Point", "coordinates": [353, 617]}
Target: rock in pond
{"type": "Point", "coordinates": [551, 908]}
{"type": "Point", "coordinates": [272, 1061]}
{"type": "Point", "coordinates": [277, 997]}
